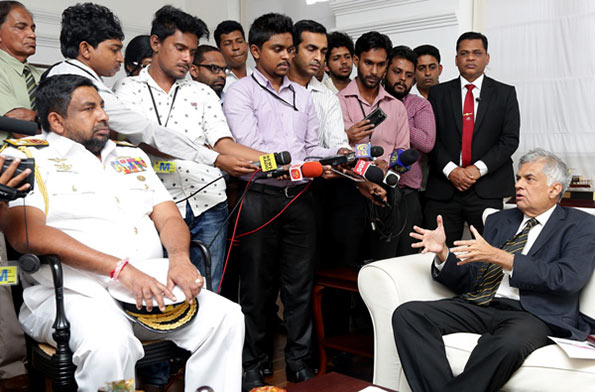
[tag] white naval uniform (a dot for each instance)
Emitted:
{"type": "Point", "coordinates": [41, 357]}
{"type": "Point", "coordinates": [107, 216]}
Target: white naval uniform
{"type": "Point", "coordinates": [105, 204]}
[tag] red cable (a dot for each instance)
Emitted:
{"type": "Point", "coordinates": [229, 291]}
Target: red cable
{"type": "Point", "coordinates": [276, 216]}
{"type": "Point", "coordinates": [234, 232]}
{"type": "Point", "coordinates": [233, 236]}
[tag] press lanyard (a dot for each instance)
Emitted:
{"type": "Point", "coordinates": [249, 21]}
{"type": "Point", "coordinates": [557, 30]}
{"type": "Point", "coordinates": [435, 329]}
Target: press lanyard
{"type": "Point", "coordinates": [278, 97]}
{"type": "Point", "coordinates": [364, 113]}
{"type": "Point", "coordinates": [82, 69]}
{"type": "Point", "coordinates": [155, 105]}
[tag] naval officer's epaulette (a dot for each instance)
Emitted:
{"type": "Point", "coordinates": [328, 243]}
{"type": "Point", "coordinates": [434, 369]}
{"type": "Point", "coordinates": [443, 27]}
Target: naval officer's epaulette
{"type": "Point", "coordinates": [26, 142]}
{"type": "Point", "coordinates": [123, 143]}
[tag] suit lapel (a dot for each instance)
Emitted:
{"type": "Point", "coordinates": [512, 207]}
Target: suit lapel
{"type": "Point", "coordinates": [455, 100]}
{"type": "Point", "coordinates": [548, 230]}
{"type": "Point", "coordinates": [508, 231]}
{"type": "Point", "coordinates": [485, 96]}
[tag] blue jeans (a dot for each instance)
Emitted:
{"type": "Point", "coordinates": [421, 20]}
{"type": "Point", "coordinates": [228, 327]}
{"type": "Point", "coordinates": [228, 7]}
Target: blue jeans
{"type": "Point", "coordinates": [204, 227]}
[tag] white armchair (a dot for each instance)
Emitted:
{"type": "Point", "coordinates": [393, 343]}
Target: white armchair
{"type": "Point", "coordinates": [386, 284]}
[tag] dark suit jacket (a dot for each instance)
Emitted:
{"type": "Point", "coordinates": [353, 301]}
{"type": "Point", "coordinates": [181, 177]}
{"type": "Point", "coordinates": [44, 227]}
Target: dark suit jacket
{"type": "Point", "coordinates": [551, 276]}
{"type": "Point", "coordinates": [495, 137]}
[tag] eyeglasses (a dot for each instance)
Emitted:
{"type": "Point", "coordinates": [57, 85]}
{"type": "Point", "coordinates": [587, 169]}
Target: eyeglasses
{"type": "Point", "coordinates": [214, 68]}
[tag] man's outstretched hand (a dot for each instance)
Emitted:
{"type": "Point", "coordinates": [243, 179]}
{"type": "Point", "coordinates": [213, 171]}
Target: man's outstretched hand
{"type": "Point", "coordinates": [431, 240]}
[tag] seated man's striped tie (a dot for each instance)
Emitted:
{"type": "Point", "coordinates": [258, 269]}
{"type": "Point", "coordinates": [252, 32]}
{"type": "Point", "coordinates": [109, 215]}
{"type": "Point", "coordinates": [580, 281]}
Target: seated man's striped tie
{"type": "Point", "coordinates": [490, 275]}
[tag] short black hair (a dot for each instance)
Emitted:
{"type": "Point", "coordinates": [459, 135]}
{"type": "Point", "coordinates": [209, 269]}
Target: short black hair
{"type": "Point", "coordinates": [138, 48]}
{"type": "Point", "coordinates": [429, 50]}
{"type": "Point", "coordinates": [339, 40]}
{"type": "Point", "coordinates": [267, 25]}
{"type": "Point", "coordinates": [199, 55]}
{"type": "Point", "coordinates": [55, 93]}
{"type": "Point", "coordinates": [87, 22]}
{"type": "Point", "coordinates": [403, 52]}
{"type": "Point", "coordinates": [373, 40]}
{"type": "Point", "coordinates": [306, 25]}
{"type": "Point", "coordinates": [227, 27]}
{"type": "Point", "coordinates": [6, 7]}
{"type": "Point", "coordinates": [168, 19]}
{"type": "Point", "coordinates": [473, 35]}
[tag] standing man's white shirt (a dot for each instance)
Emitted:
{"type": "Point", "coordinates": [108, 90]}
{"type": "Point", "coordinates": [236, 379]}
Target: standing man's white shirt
{"type": "Point", "coordinates": [231, 78]}
{"type": "Point", "coordinates": [189, 108]}
{"type": "Point", "coordinates": [331, 132]}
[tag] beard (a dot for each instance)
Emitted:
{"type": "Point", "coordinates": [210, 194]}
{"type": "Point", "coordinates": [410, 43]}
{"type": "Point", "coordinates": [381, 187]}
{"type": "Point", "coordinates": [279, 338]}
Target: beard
{"type": "Point", "coordinates": [94, 145]}
{"type": "Point", "coordinates": [395, 93]}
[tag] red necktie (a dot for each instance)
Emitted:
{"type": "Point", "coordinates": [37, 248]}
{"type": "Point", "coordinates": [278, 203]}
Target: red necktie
{"type": "Point", "coordinates": [468, 123]}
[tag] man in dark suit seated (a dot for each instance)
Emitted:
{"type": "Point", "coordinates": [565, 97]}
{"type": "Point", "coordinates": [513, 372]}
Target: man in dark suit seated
{"type": "Point", "coordinates": [477, 131]}
{"type": "Point", "coordinates": [516, 286]}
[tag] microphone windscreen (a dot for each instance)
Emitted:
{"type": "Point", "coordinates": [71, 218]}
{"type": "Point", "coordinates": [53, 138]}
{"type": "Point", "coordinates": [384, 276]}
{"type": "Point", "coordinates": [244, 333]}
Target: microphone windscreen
{"type": "Point", "coordinates": [18, 126]}
{"type": "Point", "coordinates": [374, 174]}
{"type": "Point", "coordinates": [284, 158]}
{"type": "Point", "coordinates": [376, 151]}
{"type": "Point", "coordinates": [409, 157]}
{"type": "Point", "coordinates": [312, 169]}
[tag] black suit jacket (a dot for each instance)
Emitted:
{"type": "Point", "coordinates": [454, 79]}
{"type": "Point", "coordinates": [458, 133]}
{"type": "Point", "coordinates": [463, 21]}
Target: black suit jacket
{"type": "Point", "coordinates": [495, 137]}
{"type": "Point", "coordinates": [551, 276]}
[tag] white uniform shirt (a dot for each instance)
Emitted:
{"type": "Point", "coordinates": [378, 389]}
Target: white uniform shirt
{"type": "Point", "coordinates": [104, 204]}
{"type": "Point", "coordinates": [136, 127]}
{"type": "Point", "coordinates": [328, 82]}
{"type": "Point", "coordinates": [231, 78]}
{"type": "Point", "coordinates": [196, 113]}
{"type": "Point", "coordinates": [331, 132]}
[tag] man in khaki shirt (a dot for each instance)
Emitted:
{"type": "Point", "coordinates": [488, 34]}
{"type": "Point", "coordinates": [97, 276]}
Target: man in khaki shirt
{"type": "Point", "coordinates": [18, 78]}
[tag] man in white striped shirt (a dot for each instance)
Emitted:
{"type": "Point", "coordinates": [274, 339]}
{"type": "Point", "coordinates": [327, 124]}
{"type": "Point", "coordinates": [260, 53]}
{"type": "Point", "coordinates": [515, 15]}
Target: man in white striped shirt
{"type": "Point", "coordinates": [309, 39]}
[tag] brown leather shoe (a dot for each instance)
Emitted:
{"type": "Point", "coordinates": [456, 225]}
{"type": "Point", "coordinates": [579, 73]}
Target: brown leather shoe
{"type": "Point", "coordinates": [18, 383]}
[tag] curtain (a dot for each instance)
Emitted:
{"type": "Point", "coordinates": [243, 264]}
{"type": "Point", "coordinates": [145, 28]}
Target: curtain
{"type": "Point", "coordinates": [545, 49]}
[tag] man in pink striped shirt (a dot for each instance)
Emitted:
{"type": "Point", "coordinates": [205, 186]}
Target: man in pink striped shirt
{"type": "Point", "coordinates": [400, 77]}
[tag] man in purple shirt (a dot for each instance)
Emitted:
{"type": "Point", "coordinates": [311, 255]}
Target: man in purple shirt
{"type": "Point", "coordinates": [399, 79]}
{"type": "Point", "coordinates": [268, 112]}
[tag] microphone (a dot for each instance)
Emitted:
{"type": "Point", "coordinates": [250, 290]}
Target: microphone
{"type": "Point", "coordinates": [270, 162]}
{"type": "Point", "coordinates": [401, 160]}
{"type": "Point", "coordinates": [477, 99]}
{"type": "Point", "coordinates": [310, 169]}
{"type": "Point", "coordinates": [369, 171]}
{"type": "Point", "coordinates": [336, 160]}
{"type": "Point", "coordinates": [391, 179]}
{"type": "Point", "coordinates": [18, 126]}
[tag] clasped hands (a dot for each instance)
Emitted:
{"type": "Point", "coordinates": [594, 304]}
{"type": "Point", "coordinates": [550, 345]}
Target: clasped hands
{"type": "Point", "coordinates": [466, 251]}
{"type": "Point", "coordinates": [463, 178]}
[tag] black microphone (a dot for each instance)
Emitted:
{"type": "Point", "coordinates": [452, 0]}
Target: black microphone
{"type": "Point", "coordinates": [336, 160]}
{"type": "Point", "coordinates": [478, 99]}
{"type": "Point", "coordinates": [401, 160]}
{"type": "Point", "coordinates": [369, 171]}
{"type": "Point", "coordinates": [18, 126]}
{"type": "Point", "coordinates": [281, 158]}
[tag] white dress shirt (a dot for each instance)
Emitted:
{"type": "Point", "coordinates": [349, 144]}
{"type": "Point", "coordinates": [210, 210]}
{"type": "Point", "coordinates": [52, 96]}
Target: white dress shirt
{"type": "Point", "coordinates": [192, 109]}
{"type": "Point", "coordinates": [450, 166]}
{"type": "Point", "coordinates": [331, 132]}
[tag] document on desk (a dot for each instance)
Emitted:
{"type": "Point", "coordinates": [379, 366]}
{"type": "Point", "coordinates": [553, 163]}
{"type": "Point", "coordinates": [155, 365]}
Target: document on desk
{"type": "Point", "coordinates": [576, 349]}
{"type": "Point", "coordinates": [372, 389]}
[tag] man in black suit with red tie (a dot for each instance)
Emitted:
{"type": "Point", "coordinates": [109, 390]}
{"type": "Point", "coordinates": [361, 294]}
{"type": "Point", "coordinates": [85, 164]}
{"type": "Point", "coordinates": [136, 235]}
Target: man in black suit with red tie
{"type": "Point", "coordinates": [477, 131]}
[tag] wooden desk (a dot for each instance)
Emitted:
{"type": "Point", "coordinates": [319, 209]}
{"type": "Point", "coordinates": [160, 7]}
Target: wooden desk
{"type": "Point", "coordinates": [341, 278]}
{"type": "Point", "coordinates": [332, 382]}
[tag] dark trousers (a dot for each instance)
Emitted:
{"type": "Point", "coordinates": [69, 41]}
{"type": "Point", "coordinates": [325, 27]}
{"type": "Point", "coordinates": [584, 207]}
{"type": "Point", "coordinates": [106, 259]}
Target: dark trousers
{"type": "Point", "coordinates": [277, 257]}
{"type": "Point", "coordinates": [508, 335]}
{"type": "Point", "coordinates": [412, 215]}
{"type": "Point", "coordinates": [462, 207]}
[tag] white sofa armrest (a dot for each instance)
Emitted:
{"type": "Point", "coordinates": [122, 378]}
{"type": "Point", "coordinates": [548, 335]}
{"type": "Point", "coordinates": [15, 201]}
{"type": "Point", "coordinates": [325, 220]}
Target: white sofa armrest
{"type": "Point", "coordinates": [384, 285]}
